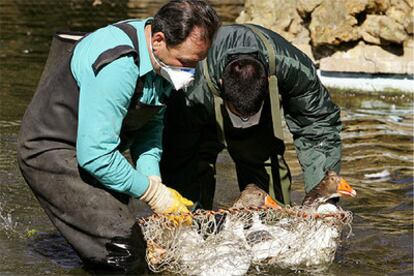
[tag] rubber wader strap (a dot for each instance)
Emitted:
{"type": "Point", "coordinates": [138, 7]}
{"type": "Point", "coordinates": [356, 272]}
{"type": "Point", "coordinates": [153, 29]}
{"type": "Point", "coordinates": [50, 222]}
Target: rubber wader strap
{"type": "Point", "coordinates": [273, 88]}
{"type": "Point", "coordinates": [218, 104]}
{"type": "Point", "coordinates": [283, 170]}
{"type": "Point", "coordinates": [131, 32]}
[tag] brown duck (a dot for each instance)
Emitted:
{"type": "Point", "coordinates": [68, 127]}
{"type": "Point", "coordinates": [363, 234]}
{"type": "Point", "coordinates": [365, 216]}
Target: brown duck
{"type": "Point", "coordinates": [328, 191]}
{"type": "Point", "coordinates": [253, 196]}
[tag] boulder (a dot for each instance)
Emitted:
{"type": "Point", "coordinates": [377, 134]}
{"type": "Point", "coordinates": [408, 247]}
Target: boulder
{"type": "Point", "coordinates": [402, 12]}
{"type": "Point", "coordinates": [333, 22]}
{"type": "Point", "coordinates": [279, 16]}
{"type": "Point", "coordinates": [377, 28]}
{"type": "Point", "coordinates": [327, 27]}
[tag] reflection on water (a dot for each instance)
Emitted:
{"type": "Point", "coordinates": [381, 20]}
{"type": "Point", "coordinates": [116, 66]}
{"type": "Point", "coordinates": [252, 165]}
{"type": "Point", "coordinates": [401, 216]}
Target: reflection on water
{"type": "Point", "coordinates": [377, 155]}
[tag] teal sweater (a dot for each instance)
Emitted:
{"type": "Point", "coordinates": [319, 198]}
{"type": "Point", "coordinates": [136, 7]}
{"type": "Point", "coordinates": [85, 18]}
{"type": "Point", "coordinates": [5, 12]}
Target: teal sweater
{"type": "Point", "coordinates": [103, 103]}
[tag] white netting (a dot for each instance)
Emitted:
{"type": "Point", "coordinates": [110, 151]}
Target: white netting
{"type": "Point", "coordinates": [228, 242]}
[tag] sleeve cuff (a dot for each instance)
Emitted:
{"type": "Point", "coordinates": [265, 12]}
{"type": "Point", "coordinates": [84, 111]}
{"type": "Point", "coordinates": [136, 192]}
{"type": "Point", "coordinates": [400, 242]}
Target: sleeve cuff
{"type": "Point", "coordinates": [148, 165]}
{"type": "Point", "coordinates": [139, 185]}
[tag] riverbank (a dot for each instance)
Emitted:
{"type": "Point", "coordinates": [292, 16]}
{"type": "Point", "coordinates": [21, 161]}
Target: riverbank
{"type": "Point", "coordinates": [356, 44]}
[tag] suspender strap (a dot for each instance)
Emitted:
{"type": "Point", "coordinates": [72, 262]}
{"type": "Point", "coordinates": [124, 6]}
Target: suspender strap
{"type": "Point", "coordinates": [213, 88]}
{"type": "Point", "coordinates": [273, 87]}
{"type": "Point", "coordinates": [131, 32]}
{"type": "Point", "coordinates": [283, 170]}
{"type": "Point", "coordinates": [218, 104]}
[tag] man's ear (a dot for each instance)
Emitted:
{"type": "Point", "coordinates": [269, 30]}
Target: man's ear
{"type": "Point", "coordinates": [221, 81]}
{"type": "Point", "coordinates": [157, 39]}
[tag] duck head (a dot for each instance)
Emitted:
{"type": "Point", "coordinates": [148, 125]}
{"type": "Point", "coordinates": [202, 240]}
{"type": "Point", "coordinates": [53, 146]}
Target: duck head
{"type": "Point", "coordinates": [329, 190]}
{"type": "Point", "coordinates": [253, 196]}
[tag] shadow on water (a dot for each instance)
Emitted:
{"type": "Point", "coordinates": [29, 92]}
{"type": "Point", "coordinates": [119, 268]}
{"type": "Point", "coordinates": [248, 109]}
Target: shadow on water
{"type": "Point", "coordinates": [377, 153]}
{"type": "Point", "coordinates": [55, 248]}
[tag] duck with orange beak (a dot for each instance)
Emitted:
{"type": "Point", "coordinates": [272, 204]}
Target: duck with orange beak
{"type": "Point", "coordinates": [253, 196]}
{"type": "Point", "coordinates": [327, 193]}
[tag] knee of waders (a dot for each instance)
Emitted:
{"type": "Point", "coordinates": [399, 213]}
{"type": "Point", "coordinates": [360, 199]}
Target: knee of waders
{"type": "Point", "coordinates": [125, 255]}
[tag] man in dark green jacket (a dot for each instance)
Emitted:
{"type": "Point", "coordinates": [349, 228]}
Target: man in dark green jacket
{"type": "Point", "coordinates": [235, 102]}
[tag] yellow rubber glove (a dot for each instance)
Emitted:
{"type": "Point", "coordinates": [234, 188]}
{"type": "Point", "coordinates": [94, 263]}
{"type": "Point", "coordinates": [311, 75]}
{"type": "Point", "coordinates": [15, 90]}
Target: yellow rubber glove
{"type": "Point", "coordinates": [180, 203]}
{"type": "Point", "coordinates": [164, 200]}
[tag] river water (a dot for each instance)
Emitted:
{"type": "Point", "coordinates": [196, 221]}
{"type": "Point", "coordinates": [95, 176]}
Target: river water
{"type": "Point", "coordinates": [377, 152]}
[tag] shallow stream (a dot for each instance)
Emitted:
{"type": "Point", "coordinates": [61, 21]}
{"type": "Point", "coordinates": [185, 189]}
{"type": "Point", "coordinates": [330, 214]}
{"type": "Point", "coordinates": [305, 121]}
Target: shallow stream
{"type": "Point", "coordinates": [377, 156]}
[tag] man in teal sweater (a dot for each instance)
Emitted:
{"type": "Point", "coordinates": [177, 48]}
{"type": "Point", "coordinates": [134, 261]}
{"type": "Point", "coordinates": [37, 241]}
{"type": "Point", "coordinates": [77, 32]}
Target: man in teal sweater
{"type": "Point", "coordinates": [100, 95]}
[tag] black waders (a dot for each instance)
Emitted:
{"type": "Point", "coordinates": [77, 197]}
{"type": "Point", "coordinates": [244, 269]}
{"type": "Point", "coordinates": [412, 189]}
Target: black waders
{"type": "Point", "coordinates": [100, 224]}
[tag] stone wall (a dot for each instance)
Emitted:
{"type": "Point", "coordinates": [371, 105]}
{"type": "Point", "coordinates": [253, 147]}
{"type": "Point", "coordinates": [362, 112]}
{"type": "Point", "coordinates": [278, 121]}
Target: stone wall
{"type": "Point", "coordinates": [370, 36]}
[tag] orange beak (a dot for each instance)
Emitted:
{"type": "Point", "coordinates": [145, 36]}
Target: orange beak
{"type": "Point", "coordinates": [269, 202]}
{"type": "Point", "coordinates": [345, 189]}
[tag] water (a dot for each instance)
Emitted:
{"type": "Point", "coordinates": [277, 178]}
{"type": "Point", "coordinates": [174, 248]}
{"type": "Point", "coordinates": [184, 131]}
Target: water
{"type": "Point", "coordinates": [378, 138]}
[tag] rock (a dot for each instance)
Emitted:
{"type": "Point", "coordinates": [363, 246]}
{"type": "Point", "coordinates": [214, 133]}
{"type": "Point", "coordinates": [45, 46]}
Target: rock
{"type": "Point", "coordinates": [279, 16]}
{"type": "Point", "coordinates": [378, 6]}
{"type": "Point", "coordinates": [410, 26]}
{"type": "Point", "coordinates": [326, 27]}
{"type": "Point", "coordinates": [380, 27]}
{"type": "Point", "coordinates": [401, 12]}
{"type": "Point", "coordinates": [355, 6]}
{"type": "Point", "coordinates": [305, 7]}
{"type": "Point", "coordinates": [333, 22]}
{"type": "Point", "coordinates": [369, 59]}
{"type": "Point", "coordinates": [402, 4]}
{"type": "Point", "coordinates": [409, 49]}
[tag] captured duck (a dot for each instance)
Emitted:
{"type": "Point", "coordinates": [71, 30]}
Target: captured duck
{"type": "Point", "coordinates": [262, 239]}
{"type": "Point", "coordinates": [324, 197]}
{"type": "Point", "coordinates": [226, 254]}
{"type": "Point", "coordinates": [253, 196]}
{"type": "Point", "coordinates": [313, 243]}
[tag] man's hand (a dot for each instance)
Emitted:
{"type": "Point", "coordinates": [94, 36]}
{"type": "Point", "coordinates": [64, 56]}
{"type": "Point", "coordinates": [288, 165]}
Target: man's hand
{"type": "Point", "coordinates": [164, 200]}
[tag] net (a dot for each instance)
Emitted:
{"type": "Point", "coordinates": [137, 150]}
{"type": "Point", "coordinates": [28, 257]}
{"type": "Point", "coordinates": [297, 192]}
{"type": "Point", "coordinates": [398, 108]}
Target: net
{"type": "Point", "coordinates": [229, 242]}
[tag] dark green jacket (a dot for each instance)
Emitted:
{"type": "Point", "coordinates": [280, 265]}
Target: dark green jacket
{"type": "Point", "coordinates": [312, 118]}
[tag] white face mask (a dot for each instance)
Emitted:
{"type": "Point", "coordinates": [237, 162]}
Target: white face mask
{"type": "Point", "coordinates": [179, 77]}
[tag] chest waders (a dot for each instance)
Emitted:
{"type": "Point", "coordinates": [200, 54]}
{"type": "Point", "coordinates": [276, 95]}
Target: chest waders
{"type": "Point", "coordinates": [100, 224]}
{"type": "Point", "coordinates": [276, 167]}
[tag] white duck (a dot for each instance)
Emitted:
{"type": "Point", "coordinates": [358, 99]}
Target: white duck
{"type": "Point", "coordinates": [262, 239]}
{"type": "Point", "coordinates": [231, 253]}
{"type": "Point", "coordinates": [292, 243]}
{"type": "Point", "coordinates": [225, 254]}
{"type": "Point", "coordinates": [313, 245]}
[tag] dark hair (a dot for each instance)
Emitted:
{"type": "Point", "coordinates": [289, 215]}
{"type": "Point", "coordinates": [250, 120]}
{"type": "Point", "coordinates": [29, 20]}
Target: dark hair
{"type": "Point", "coordinates": [245, 84]}
{"type": "Point", "coordinates": [177, 19]}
